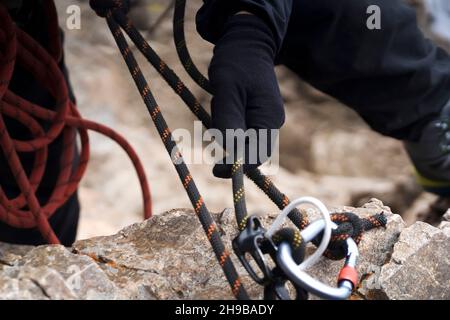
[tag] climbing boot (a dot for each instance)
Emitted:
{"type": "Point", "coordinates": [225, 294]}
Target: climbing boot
{"type": "Point", "coordinates": [431, 154]}
{"type": "Point", "coordinates": [431, 158]}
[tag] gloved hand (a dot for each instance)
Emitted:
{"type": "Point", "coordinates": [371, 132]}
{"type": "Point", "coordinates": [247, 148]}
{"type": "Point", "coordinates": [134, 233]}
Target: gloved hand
{"type": "Point", "coordinates": [246, 92]}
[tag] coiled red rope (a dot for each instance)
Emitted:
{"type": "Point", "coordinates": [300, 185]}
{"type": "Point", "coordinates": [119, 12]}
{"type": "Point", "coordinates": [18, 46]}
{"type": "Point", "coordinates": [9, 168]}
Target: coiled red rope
{"type": "Point", "coordinates": [25, 211]}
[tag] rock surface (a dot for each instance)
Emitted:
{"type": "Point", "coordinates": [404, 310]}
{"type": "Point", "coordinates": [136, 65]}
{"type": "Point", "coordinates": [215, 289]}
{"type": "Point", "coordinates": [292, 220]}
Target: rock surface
{"type": "Point", "coordinates": [168, 257]}
{"type": "Point", "coordinates": [419, 267]}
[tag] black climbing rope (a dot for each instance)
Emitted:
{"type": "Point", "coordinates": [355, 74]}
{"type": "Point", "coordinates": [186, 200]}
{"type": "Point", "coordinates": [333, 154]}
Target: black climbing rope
{"type": "Point", "coordinates": [115, 14]}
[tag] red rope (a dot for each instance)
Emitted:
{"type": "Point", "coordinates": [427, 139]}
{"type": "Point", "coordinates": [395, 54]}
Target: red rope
{"type": "Point", "coordinates": [25, 211]}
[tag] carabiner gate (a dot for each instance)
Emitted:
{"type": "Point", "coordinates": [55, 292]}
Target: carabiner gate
{"type": "Point", "coordinates": [347, 279]}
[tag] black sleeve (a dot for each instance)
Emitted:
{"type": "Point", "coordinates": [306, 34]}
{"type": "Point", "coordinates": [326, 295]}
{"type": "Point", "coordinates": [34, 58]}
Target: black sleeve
{"type": "Point", "coordinates": [213, 14]}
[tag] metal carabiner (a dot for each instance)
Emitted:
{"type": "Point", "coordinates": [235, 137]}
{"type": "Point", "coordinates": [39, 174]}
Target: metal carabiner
{"type": "Point", "coordinates": [347, 279]}
{"type": "Point", "coordinates": [251, 241]}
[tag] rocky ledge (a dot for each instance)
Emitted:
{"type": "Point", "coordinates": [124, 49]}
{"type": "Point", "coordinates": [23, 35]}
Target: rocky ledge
{"type": "Point", "coordinates": [168, 257]}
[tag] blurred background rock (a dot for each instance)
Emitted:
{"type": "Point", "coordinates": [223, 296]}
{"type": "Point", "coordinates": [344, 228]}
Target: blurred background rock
{"type": "Point", "coordinates": [326, 151]}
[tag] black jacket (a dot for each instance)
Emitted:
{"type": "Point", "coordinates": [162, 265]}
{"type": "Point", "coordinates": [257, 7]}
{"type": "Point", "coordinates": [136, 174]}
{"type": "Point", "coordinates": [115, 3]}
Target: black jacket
{"type": "Point", "coordinates": [212, 16]}
{"type": "Point", "coordinates": [395, 78]}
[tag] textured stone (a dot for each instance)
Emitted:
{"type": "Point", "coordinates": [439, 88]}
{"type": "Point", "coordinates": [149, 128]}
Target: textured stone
{"type": "Point", "coordinates": [166, 257]}
{"type": "Point", "coordinates": [419, 267]}
{"type": "Point", "coordinates": [446, 216]}
{"type": "Point", "coordinates": [58, 274]}
{"type": "Point", "coordinates": [49, 281]}
{"type": "Point", "coordinates": [445, 226]}
{"type": "Point", "coordinates": [10, 254]}
{"type": "Point", "coordinates": [23, 289]}
{"type": "Point", "coordinates": [169, 257]}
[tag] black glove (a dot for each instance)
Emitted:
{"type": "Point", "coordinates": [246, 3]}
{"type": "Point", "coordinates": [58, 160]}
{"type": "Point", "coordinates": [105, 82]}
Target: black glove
{"type": "Point", "coordinates": [246, 92]}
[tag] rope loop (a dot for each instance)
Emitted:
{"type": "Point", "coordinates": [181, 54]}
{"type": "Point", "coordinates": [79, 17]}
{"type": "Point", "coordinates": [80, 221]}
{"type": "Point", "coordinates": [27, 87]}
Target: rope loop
{"type": "Point", "coordinates": [350, 226]}
{"type": "Point", "coordinates": [62, 121]}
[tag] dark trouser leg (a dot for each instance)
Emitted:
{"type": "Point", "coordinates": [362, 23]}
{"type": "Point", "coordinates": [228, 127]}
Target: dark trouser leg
{"type": "Point", "coordinates": [393, 77]}
{"type": "Point", "coordinates": [397, 80]}
{"type": "Point", "coordinates": [64, 222]}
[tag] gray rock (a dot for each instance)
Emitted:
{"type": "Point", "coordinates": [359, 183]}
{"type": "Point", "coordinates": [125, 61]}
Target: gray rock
{"type": "Point", "coordinates": [446, 216]}
{"type": "Point", "coordinates": [419, 267]}
{"type": "Point", "coordinates": [80, 273]}
{"type": "Point", "coordinates": [10, 254]}
{"type": "Point", "coordinates": [445, 226]}
{"type": "Point", "coordinates": [168, 257]}
{"type": "Point", "coordinates": [56, 273]}
{"type": "Point", "coordinates": [20, 289]}
{"type": "Point", "coordinates": [51, 282]}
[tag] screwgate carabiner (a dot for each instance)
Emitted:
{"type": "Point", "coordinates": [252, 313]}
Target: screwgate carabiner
{"type": "Point", "coordinates": [347, 279]}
